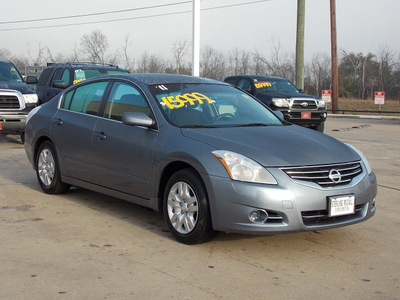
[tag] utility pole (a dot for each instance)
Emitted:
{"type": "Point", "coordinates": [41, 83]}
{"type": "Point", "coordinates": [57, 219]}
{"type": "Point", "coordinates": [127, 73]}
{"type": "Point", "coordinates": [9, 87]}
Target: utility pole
{"type": "Point", "coordinates": [301, 4]}
{"type": "Point", "coordinates": [196, 39]}
{"type": "Point", "coordinates": [334, 59]}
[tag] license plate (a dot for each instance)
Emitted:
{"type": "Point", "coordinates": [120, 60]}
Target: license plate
{"type": "Point", "coordinates": [306, 115]}
{"type": "Point", "coordinates": [341, 205]}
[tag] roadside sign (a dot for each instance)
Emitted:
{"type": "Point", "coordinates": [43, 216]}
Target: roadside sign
{"type": "Point", "coordinates": [379, 98]}
{"type": "Point", "coordinates": [326, 95]}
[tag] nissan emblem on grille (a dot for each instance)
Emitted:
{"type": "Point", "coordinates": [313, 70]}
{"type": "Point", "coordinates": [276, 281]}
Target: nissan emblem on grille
{"type": "Point", "coordinates": [335, 176]}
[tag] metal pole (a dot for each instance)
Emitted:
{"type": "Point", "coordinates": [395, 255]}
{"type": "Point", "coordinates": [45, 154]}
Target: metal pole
{"type": "Point", "coordinates": [196, 38]}
{"type": "Point", "coordinates": [334, 59]}
{"type": "Point", "coordinates": [301, 4]}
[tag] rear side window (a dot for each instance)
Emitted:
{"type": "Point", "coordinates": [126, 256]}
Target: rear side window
{"type": "Point", "coordinates": [85, 99]}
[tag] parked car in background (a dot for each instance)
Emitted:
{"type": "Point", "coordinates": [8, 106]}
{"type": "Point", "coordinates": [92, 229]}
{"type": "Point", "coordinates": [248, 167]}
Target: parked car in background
{"type": "Point", "coordinates": [208, 155]}
{"type": "Point", "coordinates": [281, 94]}
{"type": "Point", "coordinates": [57, 77]}
{"type": "Point", "coordinates": [16, 99]}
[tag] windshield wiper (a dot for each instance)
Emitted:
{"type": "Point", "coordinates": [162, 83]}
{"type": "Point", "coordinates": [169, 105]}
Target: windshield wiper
{"type": "Point", "coordinates": [253, 125]}
{"type": "Point", "coordinates": [199, 126]}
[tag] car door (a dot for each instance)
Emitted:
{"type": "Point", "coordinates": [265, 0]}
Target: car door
{"type": "Point", "coordinates": [123, 154]}
{"type": "Point", "coordinates": [72, 129]}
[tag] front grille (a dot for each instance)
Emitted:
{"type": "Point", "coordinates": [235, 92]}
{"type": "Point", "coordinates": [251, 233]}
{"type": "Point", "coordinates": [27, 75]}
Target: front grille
{"type": "Point", "coordinates": [9, 102]}
{"type": "Point", "coordinates": [321, 217]}
{"type": "Point", "coordinates": [326, 175]}
{"type": "Point", "coordinates": [303, 104]}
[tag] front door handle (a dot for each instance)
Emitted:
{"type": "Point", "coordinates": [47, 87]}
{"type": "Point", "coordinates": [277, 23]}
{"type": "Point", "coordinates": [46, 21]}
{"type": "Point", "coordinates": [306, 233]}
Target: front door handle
{"type": "Point", "coordinates": [100, 135]}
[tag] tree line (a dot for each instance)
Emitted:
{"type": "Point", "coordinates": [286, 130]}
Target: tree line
{"type": "Point", "coordinates": [360, 75]}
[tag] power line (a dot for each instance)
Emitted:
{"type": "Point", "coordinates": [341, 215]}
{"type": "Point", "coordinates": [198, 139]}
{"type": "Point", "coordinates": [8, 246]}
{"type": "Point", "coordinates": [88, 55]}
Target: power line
{"type": "Point", "coordinates": [118, 20]}
{"type": "Point", "coordinates": [94, 14]}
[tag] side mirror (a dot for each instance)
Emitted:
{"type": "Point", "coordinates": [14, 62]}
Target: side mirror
{"type": "Point", "coordinates": [30, 79]}
{"type": "Point", "coordinates": [60, 84]}
{"type": "Point", "coordinates": [301, 90]}
{"type": "Point", "coordinates": [137, 119]}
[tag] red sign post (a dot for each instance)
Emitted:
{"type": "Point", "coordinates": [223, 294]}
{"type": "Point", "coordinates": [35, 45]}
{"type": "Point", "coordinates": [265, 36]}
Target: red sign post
{"type": "Point", "coordinates": [327, 95]}
{"type": "Point", "coordinates": [380, 99]}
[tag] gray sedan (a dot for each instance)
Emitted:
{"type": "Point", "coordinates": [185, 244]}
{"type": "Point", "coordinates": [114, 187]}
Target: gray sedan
{"type": "Point", "coordinates": [206, 154]}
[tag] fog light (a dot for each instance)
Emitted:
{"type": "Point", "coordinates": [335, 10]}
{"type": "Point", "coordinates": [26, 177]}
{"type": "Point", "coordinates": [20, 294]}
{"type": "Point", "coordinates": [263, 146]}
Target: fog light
{"type": "Point", "coordinates": [373, 205]}
{"type": "Point", "coordinates": [258, 216]}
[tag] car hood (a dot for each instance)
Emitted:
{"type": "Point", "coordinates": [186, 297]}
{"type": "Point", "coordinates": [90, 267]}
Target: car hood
{"type": "Point", "coordinates": [284, 95]}
{"type": "Point", "coordinates": [18, 86]}
{"type": "Point", "coordinates": [276, 146]}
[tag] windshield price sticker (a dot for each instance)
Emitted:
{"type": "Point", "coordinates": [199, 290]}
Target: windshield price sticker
{"type": "Point", "coordinates": [188, 98]}
{"type": "Point", "coordinates": [260, 85]}
{"type": "Point", "coordinates": [341, 205]}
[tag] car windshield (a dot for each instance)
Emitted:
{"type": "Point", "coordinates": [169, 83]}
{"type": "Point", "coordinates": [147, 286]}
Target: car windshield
{"type": "Point", "coordinates": [211, 105]}
{"type": "Point", "coordinates": [9, 73]}
{"type": "Point", "coordinates": [275, 85]}
{"type": "Point", "coordinates": [83, 74]}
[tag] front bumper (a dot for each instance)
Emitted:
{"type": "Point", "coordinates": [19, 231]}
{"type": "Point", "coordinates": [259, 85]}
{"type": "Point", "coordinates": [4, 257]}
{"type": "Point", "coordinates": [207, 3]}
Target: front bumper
{"type": "Point", "coordinates": [12, 122]}
{"type": "Point", "coordinates": [305, 118]}
{"type": "Point", "coordinates": [291, 206]}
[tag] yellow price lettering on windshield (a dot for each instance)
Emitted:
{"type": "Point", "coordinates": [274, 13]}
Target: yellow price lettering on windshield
{"type": "Point", "coordinates": [182, 100]}
{"type": "Point", "coordinates": [263, 84]}
{"type": "Point", "coordinates": [78, 80]}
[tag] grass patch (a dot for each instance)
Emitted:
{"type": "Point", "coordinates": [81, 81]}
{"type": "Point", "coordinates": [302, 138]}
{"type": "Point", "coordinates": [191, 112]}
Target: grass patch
{"type": "Point", "coordinates": [369, 106]}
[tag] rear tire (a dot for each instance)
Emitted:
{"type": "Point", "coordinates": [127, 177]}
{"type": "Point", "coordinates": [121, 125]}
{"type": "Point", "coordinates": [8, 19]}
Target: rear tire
{"type": "Point", "coordinates": [186, 208]}
{"type": "Point", "coordinates": [48, 170]}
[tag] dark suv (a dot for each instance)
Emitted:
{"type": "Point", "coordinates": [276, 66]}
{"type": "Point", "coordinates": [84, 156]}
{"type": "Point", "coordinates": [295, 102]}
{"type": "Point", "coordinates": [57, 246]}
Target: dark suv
{"type": "Point", "coordinates": [57, 77]}
{"type": "Point", "coordinates": [281, 94]}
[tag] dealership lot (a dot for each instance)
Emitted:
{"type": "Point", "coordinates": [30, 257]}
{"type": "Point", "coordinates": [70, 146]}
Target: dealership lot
{"type": "Point", "coordinates": [83, 245]}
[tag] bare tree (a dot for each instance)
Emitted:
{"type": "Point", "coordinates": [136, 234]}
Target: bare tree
{"type": "Point", "coordinates": [129, 64]}
{"type": "Point", "coordinates": [212, 63]}
{"type": "Point", "coordinates": [95, 45]}
{"type": "Point", "coordinates": [180, 49]}
{"type": "Point", "coordinates": [239, 62]}
{"type": "Point", "coordinates": [319, 73]}
{"type": "Point", "coordinates": [5, 54]}
{"type": "Point", "coordinates": [150, 63]}
{"type": "Point", "coordinates": [39, 59]}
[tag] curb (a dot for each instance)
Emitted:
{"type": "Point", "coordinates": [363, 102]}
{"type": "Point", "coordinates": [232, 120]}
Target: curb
{"type": "Point", "coordinates": [375, 117]}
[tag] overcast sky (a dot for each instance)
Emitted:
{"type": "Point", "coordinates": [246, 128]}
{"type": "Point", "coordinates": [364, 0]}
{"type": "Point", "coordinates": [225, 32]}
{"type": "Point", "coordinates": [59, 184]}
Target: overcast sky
{"type": "Point", "coordinates": [363, 25]}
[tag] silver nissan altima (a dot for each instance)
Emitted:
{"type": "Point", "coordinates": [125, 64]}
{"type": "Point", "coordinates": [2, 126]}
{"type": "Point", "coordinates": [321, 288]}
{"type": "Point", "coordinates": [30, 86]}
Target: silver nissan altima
{"type": "Point", "coordinates": [206, 154]}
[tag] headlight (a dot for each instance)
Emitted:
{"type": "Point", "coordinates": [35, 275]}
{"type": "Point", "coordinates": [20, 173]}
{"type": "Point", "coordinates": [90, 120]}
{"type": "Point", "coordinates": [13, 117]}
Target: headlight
{"type": "Point", "coordinates": [363, 158]}
{"type": "Point", "coordinates": [31, 98]}
{"type": "Point", "coordinates": [242, 168]}
{"type": "Point", "coordinates": [280, 102]}
{"type": "Point", "coordinates": [321, 104]}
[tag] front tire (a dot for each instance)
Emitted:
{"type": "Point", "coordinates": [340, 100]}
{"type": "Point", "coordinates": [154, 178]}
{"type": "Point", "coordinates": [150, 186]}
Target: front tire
{"type": "Point", "coordinates": [186, 208]}
{"type": "Point", "coordinates": [320, 127]}
{"type": "Point", "coordinates": [48, 170]}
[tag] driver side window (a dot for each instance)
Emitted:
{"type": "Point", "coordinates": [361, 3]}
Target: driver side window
{"type": "Point", "coordinates": [245, 84]}
{"type": "Point", "coordinates": [125, 98]}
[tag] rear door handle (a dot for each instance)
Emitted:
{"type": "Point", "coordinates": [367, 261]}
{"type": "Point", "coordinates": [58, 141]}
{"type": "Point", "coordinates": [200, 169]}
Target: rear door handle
{"type": "Point", "coordinates": [57, 121]}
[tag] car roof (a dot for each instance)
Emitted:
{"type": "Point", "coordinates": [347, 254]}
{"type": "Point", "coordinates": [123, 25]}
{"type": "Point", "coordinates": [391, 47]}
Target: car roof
{"type": "Point", "coordinates": [258, 77]}
{"type": "Point", "coordinates": [159, 78]}
{"type": "Point", "coordinates": [6, 62]}
{"type": "Point", "coordinates": [84, 66]}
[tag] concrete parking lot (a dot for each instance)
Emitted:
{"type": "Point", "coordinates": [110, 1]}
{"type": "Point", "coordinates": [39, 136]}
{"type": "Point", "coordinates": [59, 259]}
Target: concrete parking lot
{"type": "Point", "coordinates": [83, 245]}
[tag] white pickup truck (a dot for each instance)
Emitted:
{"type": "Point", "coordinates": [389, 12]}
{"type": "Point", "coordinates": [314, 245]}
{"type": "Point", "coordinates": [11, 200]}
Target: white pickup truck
{"type": "Point", "coordinates": [16, 99]}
